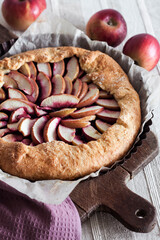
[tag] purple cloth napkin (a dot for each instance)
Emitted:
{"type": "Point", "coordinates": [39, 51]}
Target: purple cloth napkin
{"type": "Point", "coordinates": [22, 218]}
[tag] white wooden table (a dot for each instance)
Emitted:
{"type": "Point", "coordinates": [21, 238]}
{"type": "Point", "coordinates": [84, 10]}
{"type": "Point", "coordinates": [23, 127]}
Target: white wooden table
{"type": "Point", "coordinates": [141, 16]}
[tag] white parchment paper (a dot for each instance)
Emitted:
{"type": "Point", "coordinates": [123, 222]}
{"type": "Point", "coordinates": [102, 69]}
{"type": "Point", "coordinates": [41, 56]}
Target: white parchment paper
{"type": "Point", "coordinates": [57, 32]}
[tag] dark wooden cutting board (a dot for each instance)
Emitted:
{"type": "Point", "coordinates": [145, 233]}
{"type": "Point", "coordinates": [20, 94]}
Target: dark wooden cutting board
{"type": "Point", "coordinates": [109, 192]}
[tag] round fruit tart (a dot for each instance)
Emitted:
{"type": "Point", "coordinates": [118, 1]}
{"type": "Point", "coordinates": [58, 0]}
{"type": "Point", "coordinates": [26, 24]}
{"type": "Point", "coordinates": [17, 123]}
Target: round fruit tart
{"type": "Point", "coordinates": [64, 112]}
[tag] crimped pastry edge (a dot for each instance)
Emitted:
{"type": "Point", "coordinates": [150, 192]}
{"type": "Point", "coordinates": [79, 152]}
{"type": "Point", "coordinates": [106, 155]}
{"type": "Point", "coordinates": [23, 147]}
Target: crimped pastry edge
{"type": "Point", "coordinates": [58, 160]}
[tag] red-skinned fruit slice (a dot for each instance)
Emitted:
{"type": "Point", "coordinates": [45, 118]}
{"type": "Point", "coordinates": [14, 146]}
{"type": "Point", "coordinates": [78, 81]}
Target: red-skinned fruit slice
{"type": "Point", "coordinates": [58, 68]}
{"type": "Point", "coordinates": [3, 124]}
{"type": "Point", "coordinates": [24, 69]}
{"type": "Point", "coordinates": [14, 126]}
{"type": "Point", "coordinates": [58, 84]}
{"type": "Point", "coordinates": [39, 112]}
{"type": "Point", "coordinates": [90, 98]}
{"type": "Point", "coordinates": [108, 115]}
{"type": "Point", "coordinates": [104, 94]}
{"type": "Point", "coordinates": [33, 70]}
{"type": "Point", "coordinates": [45, 86]}
{"type": "Point", "coordinates": [77, 123]}
{"type": "Point", "coordinates": [102, 126]}
{"type": "Point", "coordinates": [34, 96]}
{"type": "Point", "coordinates": [72, 68]}
{"type": "Point", "coordinates": [27, 141]}
{"type": "Point", "coordinates": [13, 104]}
{"type": "Point", "coordinates": [83, 91]}
{"type": "Point", "coordinates": [18, 114]}
{"type": "Point", "coordinates": [77, 87]}
{"type": "Point", "coordinates": [15, 93]}
{"type": "Point", "coordinates": [66, 134]}
{"type": "Point", "coordinates": [92, 85]}
{"type": "Point", "coordinates": [9, 82]}
{"type": "Point", "coordinates": [50, 129]}
{"type": "Point", "coordinates": [69, 85]}
{"type": "Point", "coordinates": [81, 72]}
{"type": "Point", "coordinates": [91, 133]}
{"type": "Point", "coordinates": [15, 137]}
{"type": "Point", "coordinates": [25, 126]}
{"type": "Point", "coordinates": [77, 141]}
{"type": "Point", "coordinates": [86, 79]}
{"type": "Point", "coordinates": [45, 68]}
{"type": "Point", "coordinates": [60, 101]}
{"type": "Point", "coordinates": [108, 103]}
{"type": "Point", "coordinates": [2, 94]}
{"type": "Point", "coordinates": [3, 116]}
{"type": "Point", "coordinates": [4, 131]}
{"type": "Point", "coordinates": [37, 130]}
{"type": "Point", "coordinates": [23, 82]}
{"type": "Point", "coordinates": [63, 112]}
{"type": "Point", "coordinates": [87, 111]}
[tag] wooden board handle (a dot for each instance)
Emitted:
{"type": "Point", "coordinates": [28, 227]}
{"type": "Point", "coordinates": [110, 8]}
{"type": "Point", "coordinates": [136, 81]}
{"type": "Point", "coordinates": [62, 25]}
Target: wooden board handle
{"type": "Point", "coordinates": [133, 211]}
{"type": "Point", "coordinates": [109, 192]}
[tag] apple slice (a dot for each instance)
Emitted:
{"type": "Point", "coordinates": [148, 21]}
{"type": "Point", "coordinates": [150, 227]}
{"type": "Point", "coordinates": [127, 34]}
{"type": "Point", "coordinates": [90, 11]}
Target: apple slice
{"type": "Point", "coordinates": [84, 90]}
{"type": "Point", "coordinates": [25, 126]}
{"type": "Point", "coordinates": [39, 112]}
{"type": "Point", "coordinates": [60, 101]}
{"type": "Point", "coordinates": [33, 70]}
{"type": "Point", "coordinates": [102, 126]}
{"type": "Point", "coordinates": [63, 112]}
{"type": "Point", "coordinates": [15, 93]}
{"type": "Point", "coordinates": [18, 114]}
{"type": "Point", "coordinates": [66, 134]}
{"type": "Point", "coordinates": [108, 103]}
{"type": "Point", "coordinates": [77, 87]}
{"type": "Point", "coordinates": [91, 133]}
{"type": "Point", "coordinates": [77, 141]}
{"type": "Point", "coordinates": [14, 126]}
{"type": "Point", "coordinates": [50, 129]}
{"type": "Point", "coordinates": [4, 131]}
{"type": "Point", "coordinates": [104, 94]}
{"type": "Point", "coordinates": [59, 68]}
{"type": "Point", "coordinates": [34, 96]}
{"type": "Point", "coordinates": [27, 141]}
{"type": "Point", "coordinates": [86, 79]}
{"type": "Point", "coordinates": [37, 130]}
{"type": "Point", "coordinates": [9, 82]}
{"type": "Point", "coordinates": [4, 116]}
{"type": "Point", "coordinates": [92, 85]}
{"type": "Point", "coordinates": [13, 104]}
{"type": "Point", "coordinates": [15, 137]}
{"type": "Point", "coordinates": [72, 68]}
{"type": "Point", "coordinates": [45, 86]}
{"type": "Point", "coordinates": [25, 69]}
{"type": "Point", "coordinates": [87, 111]}
{"type": "Point", "coordinates": [3, 124]}
{"type": "Point", "coordinates": [77, 123]}
{"type": "Point", "coordinates": [2, 94]}
{"type": "Point", "coordinates": [23, 82]}
{"type": "Point", "coordinates": [58, 84]}
{"type": "Point", "coordinates": [69, 85]}
{"type": "Point", "coordinates": [45, 68]}
{"type": "Point", "coordinates": [108, 115]}
{"type": "Point", "coordinates": [90, 98]}
{"type": "Point", "coordinates": [81, 72]}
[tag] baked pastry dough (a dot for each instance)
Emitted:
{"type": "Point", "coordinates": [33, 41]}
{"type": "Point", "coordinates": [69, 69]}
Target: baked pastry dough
{"type": "Point", "coordinates": [57, 159]}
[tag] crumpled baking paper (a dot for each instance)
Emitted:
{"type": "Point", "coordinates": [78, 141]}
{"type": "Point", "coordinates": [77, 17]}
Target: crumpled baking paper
{"type": "Point", "coordinates": [53, 32]}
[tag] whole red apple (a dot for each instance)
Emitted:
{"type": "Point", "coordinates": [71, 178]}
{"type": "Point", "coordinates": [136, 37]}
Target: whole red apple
{"type": "Point", "coordinates": [144, 49]}
{"type": "Point", "coordinates": [19, 14]}
{"type": "Point", "coordinates": [107, 25]}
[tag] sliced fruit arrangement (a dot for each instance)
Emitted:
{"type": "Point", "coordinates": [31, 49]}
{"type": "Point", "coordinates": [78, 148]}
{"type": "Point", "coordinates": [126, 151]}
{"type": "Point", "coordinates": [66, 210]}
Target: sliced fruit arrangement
{"type": "Point", "coordinates": [44, 102]}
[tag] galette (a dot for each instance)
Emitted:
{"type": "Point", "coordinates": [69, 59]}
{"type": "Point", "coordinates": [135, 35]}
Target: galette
{"type": "Point", "coordinates": [64, 112]}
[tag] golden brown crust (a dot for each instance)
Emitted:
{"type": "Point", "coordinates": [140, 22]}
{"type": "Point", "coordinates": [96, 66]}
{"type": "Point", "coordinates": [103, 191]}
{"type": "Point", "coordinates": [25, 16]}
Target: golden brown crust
{"type": "Point", "coordinates": [58, 159]}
